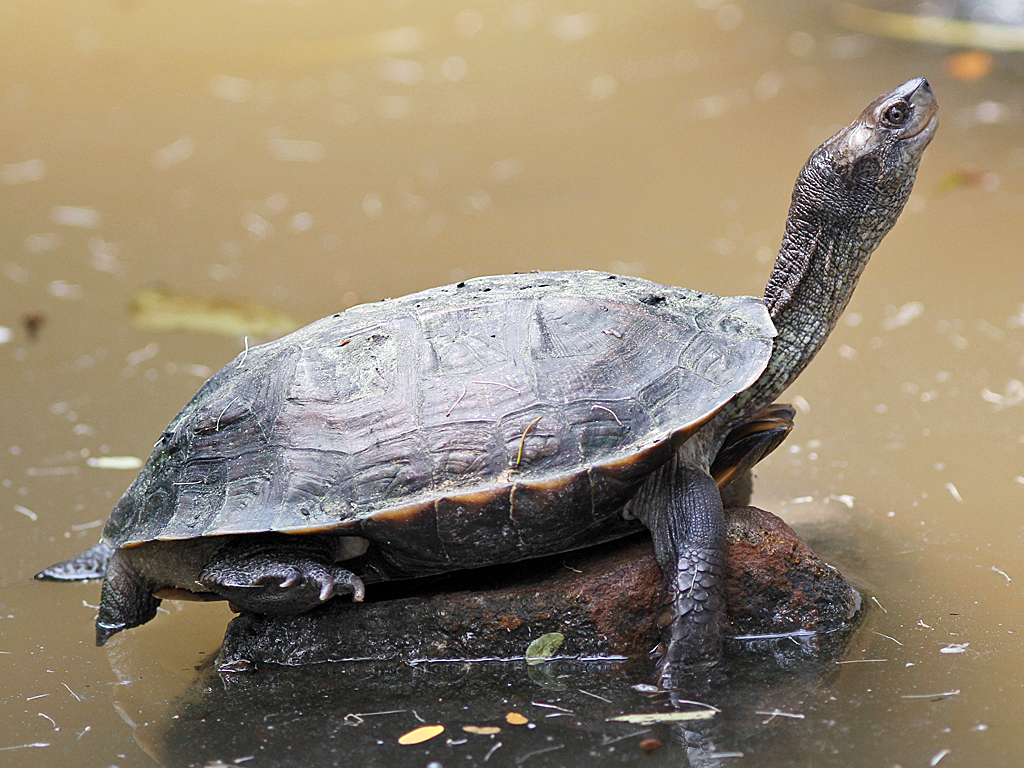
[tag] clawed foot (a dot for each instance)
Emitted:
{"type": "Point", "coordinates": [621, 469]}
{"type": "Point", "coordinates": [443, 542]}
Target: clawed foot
{"type": "Point", "coordinates": [280, 587]}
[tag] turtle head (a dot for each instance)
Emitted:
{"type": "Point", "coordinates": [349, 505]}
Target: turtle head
{"type": "Point", "coordinates": [887, 140]}
{"type": "Point", "coordinates": [864, 174]}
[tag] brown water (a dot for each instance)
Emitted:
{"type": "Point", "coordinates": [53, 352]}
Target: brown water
{"type": "Point", "coordinates": [312, 155]}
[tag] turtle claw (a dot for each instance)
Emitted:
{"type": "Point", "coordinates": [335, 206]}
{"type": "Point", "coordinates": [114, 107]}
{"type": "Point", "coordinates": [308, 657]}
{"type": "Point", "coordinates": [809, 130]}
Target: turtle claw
{"type": "Point", "coordinates": [276, 587]}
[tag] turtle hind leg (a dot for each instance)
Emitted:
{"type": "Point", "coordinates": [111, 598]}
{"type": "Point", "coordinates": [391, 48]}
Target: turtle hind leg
{"type": "Point", "coordinates": [91, 564]}
{"type": "Point", "coordinates": [682, 508]}
{"type": "Point", "coordinates": [278, 574]}
{"type": "Point", "coordinates": [126, 600]}
{"type": "Point", "coordinates": [744, 447]}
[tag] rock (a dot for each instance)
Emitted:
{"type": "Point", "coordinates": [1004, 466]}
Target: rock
{"type": "Point", "coordinates": [604, 600]}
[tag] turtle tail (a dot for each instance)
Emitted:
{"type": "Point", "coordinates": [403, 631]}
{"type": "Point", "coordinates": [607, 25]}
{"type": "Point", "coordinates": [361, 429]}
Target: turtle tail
{"type": "Point", "coordinates": [126, 600]}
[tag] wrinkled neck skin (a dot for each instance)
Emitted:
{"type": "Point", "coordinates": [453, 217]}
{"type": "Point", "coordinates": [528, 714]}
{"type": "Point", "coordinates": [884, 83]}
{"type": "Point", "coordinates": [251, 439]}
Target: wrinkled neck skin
{"type": "Point", "coordinates": [836, 220]}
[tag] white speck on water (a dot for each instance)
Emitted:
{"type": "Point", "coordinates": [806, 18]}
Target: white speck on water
{"type": "Point", "coordinates": [104, 255]}
{"type": "Point", "coordinates": [394, 107]}
{"type": "Point", "coordinates": [141, 355]}
{"type": "Point", "coordinates": [1013, 394]}
{"type": "Point", "coordinates": [849, 47]}
{"type": "Point", "coordinates": [803, 500]}
{"type": "Point", "coordinates": [6, 334]}
{"type": "Point", "coordinates": [75, 216]}
{"type": "Point", "coordinates": [42, 242]}
{"type": "Point", "coordinates": [728, 17]}
{"type": "Point", "coordinates": [476, 202]}
{"type": "Point", "coordinates": [800, 44]}
{"type": "Point", "coordinates": [115, 462]}
{"type": "Point", "coordinates": [845, 499]}
{"type": "Point", "coordinates": [236, 89]}
{"type": "Point", "coordinates": [23, 173]}
{"type": "Point", "coordinates": [301, 222]}
{"type": "Point", "coordinates": [373, 207]}
{"type": "Point", "coordinates": [953, 491]}
{"type": "Point", "coordinates": [848, 353]}
{"type": "Point", "coordinates": [938, 756]}
{"type": "Point", "coordinates": [801, 404]}
{"type": "Point", "coordinates": [602, 87]}
{"type": "Point", "coordinates": [257, 226]}
{"type": "Point", "coordinates": [897, 318]}
{"type": "Point", "coordinates": [401, 71]}
{"type": "Point", "coordinates": [853, 319]}
{"type": "Point", "coordinates": [62, 289]}
{"type": "Point", "coordinates": [400, 40]}
{"type": "Point", "coordinates": [768, 86]}
{"type": "Point", "coordinates": [296, 150]}
{"type": "Point", "coordinates": [985, 327]}
{"type": "Point", "coordinates": [26, 512]}
{"type": "Point", "coordinates": [86, 526]}
{"type": "Point", "coordinates": [469, 22]}
{"type": "Point", "coordinates": [453, 69]}
{"type": "Point", "coordinates": [174, 153]}
{"type": "Point", "coordinates": [276, 202]}
{"type": "Point", "coordinates": [575, 26]}
{"type": "Point", "coordinates": [503, 170]}
{"type": "Point", "coordinates": [954, 648]}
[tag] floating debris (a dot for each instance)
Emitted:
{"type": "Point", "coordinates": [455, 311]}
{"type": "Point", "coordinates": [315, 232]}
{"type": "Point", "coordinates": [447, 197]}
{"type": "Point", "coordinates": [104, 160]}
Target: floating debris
{"type": "Point", "coordinates": [955, 648]}
{"type": "Point", "coordinates": [75, 216]}
{"type": "Point", "coordinates": [22, 173]}
{"type": "Point", "coordinates": [514, 718]}
{"type": "Point", "coordinates": [1013, 395]}
{"type": "Point", "coordinates": [6, 334]}
{"type": "Point", "coordinates": [26, 512]}
{"type": "Point", "coordinates": [653, 718]}
{"type": "Point", "coordinates": [482, 730]}
{"type": "Point", "coordinates": [954, 492]}
{"type": "Point", "coordinates": [938, 756]}
{"type": "Point", "coordinates": [160, 309]}
{"type": "Point", "coordinates": [421, 734]}
{"type": "Point", "coordinates": [115, 462]}
{"type": "Point", "coordinates": [544, 647]}
{"type": "Point", "coordinates": [904, 315]}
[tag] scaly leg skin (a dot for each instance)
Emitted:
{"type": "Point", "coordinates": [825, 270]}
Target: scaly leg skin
{"type": "Point", "coordinates": [279, 575]}
{"type": "Point", "coordinates": [682, 508]}
{"type": "Point", "coordinates": [126, 600]}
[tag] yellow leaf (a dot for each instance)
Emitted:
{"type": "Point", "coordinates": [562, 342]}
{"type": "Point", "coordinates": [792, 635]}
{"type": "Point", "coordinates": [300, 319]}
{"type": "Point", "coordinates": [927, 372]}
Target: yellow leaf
{"type": "Point", "coordinates": [514, 718]}
{"type": "Point", "coordinates": [483, 730]}
{"type": "Point", "coordinates": [421, 734]}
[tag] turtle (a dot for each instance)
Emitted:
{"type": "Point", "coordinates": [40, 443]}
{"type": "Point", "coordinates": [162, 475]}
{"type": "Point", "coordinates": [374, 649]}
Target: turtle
{"type": "Point", "coordinates": [504, 418]}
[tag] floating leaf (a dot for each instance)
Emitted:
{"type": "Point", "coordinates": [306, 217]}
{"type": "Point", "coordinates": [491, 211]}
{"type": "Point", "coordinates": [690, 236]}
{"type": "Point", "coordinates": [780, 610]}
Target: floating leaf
{"type": "Point", "coordinates": [652, 718]}
{"type": "Point", "coordinates": [483, 730]}
{"type": "Point", "coordinates": [421, 734]}
{"type": "Point", "coordinates": [514, 718]}
{"type": "Point", "coordinates": [969, 66]}
{"type": "Point", "coordinates": [159, 309]}
{"type": "Point", "coordinates": [544, 647]}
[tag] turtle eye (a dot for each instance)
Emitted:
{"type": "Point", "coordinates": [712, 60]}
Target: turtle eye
{"type": "Point", "coordinates": [897, 114]}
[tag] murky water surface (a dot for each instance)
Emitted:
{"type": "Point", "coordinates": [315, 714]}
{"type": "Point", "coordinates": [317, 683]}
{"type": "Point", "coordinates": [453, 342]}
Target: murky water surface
{"type": "Point", "coordinates": [307, 156]}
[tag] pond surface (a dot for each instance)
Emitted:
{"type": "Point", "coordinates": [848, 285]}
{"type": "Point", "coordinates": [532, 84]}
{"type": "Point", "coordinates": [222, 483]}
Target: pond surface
{"type": "Point", "coordinates": [308, 156]}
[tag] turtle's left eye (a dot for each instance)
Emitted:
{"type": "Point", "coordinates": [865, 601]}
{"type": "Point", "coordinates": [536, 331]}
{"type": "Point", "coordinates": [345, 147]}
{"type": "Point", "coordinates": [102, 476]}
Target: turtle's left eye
{"type": "Point", "coordinates": [897, 114]}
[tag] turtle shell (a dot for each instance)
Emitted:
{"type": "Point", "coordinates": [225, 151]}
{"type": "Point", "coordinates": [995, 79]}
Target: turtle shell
{"type": "Point", "coordinates": [496, 419]}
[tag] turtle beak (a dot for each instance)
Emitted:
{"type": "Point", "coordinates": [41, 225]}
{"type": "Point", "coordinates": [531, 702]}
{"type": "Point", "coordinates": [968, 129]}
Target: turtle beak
{"type": "Point", "coordinates": [926, 108]}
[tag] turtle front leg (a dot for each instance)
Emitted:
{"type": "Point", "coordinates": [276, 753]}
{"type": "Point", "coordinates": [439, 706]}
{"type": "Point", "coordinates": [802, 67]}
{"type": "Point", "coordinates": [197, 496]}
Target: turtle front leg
{"type": "Point", "coordinates": [682, 508]}
{"type": "Point", "coordinates": [126, 599]}
{"type": "Point", "coordinates": [279, 575]}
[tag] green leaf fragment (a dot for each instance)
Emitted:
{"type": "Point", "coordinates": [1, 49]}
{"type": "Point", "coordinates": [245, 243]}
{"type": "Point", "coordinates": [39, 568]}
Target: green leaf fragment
{"type": "Point", "coordinates": [544, 647]}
